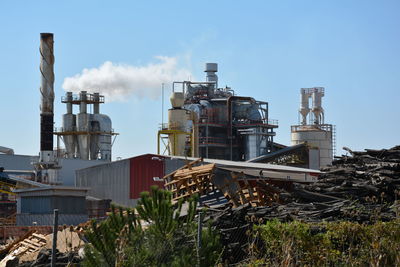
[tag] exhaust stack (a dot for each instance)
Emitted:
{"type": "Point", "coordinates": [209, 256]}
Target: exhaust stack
{"type": "Point", "coordinates": [47, 97]}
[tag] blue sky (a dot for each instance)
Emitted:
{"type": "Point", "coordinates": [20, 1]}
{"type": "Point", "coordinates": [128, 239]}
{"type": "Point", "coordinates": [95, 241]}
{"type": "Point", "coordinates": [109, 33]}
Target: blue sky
{"type": "Point", "coordinates": [265, 49]}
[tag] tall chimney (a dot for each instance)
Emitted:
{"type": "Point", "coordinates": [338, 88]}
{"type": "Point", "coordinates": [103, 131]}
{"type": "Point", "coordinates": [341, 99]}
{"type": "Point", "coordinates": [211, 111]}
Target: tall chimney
{"type": "Point", "coordinates": [47, 96]}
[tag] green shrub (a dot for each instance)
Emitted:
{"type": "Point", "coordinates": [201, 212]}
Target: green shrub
{"type": "Point", "coordinates": [154, 234]}
{"type": "Point", "coordinates": [328, 244]}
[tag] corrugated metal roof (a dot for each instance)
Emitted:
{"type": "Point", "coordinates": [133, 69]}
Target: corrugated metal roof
{"type": "Point", "coordinates": [300, 177]}
{"type": "Point", "coordinates": [17, 179]}
{"type": "Point", "coordinates": [243, 164]}
{"type": "Point", "coordinates": [52, 191]}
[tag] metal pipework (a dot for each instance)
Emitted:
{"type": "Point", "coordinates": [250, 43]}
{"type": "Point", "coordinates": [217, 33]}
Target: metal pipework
{"type": "Point", "coordinates": [229, 118]}
{"type": "Point", "coordinates": [68, 98]}
{"type": "Point", "coordinates": [195, 133]}
{"type": "Point", "coordinates": [96, 105]}
{"type": "Point", "coordinates": [185, 83]}
{"type": "Point", "coordinates": [211, 69]}
{"type": "Point", "coordinates": [47, 91]}
{"type": "Point", "coordinates": [83, 104]}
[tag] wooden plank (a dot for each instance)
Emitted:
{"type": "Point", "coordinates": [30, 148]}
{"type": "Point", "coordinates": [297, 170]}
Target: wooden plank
{"type": "Point", "coordinates": [34, 247]}
{"type": "Point", "coordinates": [42, 237]}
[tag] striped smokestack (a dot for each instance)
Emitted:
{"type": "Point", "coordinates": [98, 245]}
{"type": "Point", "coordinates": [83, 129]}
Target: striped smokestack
{"type": "Point", "coordinates": [47, 96]}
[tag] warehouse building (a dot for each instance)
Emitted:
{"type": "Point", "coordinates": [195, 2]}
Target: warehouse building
{"type": "Point", "coordinates": [35, 206]}
{"type": "Point", "coordinates": [122, 181]}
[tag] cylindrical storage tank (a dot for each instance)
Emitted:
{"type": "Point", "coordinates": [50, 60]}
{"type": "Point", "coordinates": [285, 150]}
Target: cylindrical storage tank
{"type": "Point", "coordinates": [94, 137]}
{"type": "Point", "coordinates": [69, 124]}
{"type": "Point", "coordinates": [177, 121]}
{"type": "Point", "coordinates": [104, 140]}
{"type": "Point", "coordinates": [82, 125]}
{"type": "Point", "coordinates": [314, 136]}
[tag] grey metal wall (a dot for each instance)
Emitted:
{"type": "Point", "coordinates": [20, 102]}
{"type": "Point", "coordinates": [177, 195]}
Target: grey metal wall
{"type": "Point", "coordinates": [46, 204]}
{"type": "Point", "coordinates": [107, 181]}
{"type": "Point", "coordinates": [17, 162]}
{"type": "Point", "coordinates": [67, 173]}
{"type": "Point", "coordinates": [172, 164]}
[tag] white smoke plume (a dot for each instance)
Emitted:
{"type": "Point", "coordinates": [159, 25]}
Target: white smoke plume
{"type": "Point", "coordinates": [117, 82]}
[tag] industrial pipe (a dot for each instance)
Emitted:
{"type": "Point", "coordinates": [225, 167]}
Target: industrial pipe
{"type": "Point", "coordinates": [96, 104]}
{"type": "Point", "coordinates": [195, 133]}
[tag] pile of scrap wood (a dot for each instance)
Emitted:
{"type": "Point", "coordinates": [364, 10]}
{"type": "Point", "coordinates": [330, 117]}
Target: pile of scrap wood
{"type": "Point", "coordinates": [29, 244]}
{"type": "Point", "coordinates": [33, 247]}
{"type": "Point", "coordinates": [363, 187]}
{"type": "Point", "coordinates": [237, 186]}
{"type": "Point", "coordinates": [371, 175]}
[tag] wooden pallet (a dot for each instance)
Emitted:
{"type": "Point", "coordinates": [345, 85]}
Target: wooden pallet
{"type": "Point", "coordinates": [30, 244]}
{"type": "Point", "coordinates": [189, 180]}
{"type": "Point", "coordinates": [239, 191]}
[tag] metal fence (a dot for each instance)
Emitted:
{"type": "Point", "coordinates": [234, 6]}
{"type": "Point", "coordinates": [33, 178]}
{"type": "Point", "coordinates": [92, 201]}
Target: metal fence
{"type": "Point", "coordinates": [118, 240]}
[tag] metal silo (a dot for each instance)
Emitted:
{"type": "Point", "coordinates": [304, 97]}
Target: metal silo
{"type": "Point", "coordinates": [82, 125]}
{"type": "Point", "coordinates": [177, 123]}
{"type": "Point", "coordinates": [69, 126]}
{"type": "Point", "coordinates": [317, 134]}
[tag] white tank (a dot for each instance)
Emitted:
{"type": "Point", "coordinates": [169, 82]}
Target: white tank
{"type": "Point", "coordinates": [316, 137]}
{"type": "Point", "coordinates": [178, 121]}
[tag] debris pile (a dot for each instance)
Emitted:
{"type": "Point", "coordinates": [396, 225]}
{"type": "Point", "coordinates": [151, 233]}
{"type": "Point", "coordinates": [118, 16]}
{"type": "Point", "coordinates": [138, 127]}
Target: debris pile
{"type": "Point", "coordinates": [247, 185]}
{"type": "Point", "coordinates": [44, 259]}
{"type": "Point", "coordinates": [372, 173]}
{"type": "Point", "coordinates": [363, 187]}
{"type": "Point", "coordinates": [35, 248]}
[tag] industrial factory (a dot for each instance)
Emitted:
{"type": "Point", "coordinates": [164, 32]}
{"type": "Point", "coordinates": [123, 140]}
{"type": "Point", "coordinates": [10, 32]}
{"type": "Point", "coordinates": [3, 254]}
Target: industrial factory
{"type": "Point", "coordinates": [211, 122]}
{"type": "Point", "coordinates": [228, 137]}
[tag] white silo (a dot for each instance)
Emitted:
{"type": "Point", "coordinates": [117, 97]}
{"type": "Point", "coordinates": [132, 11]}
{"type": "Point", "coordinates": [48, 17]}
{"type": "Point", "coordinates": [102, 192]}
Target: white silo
{"type": "Point", "coordinates": [304, 101]}
{"type": "Point", "coordinates": [317, 110]}
{"type": "Point", "coordinates": [177, 124]}
{"type": "Point", "coordinates": [316, 134]}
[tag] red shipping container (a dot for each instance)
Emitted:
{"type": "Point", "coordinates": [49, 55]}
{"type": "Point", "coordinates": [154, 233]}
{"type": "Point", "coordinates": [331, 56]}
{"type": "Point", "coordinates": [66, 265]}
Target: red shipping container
{"type": "Point", "coordinates": [145, 170]}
